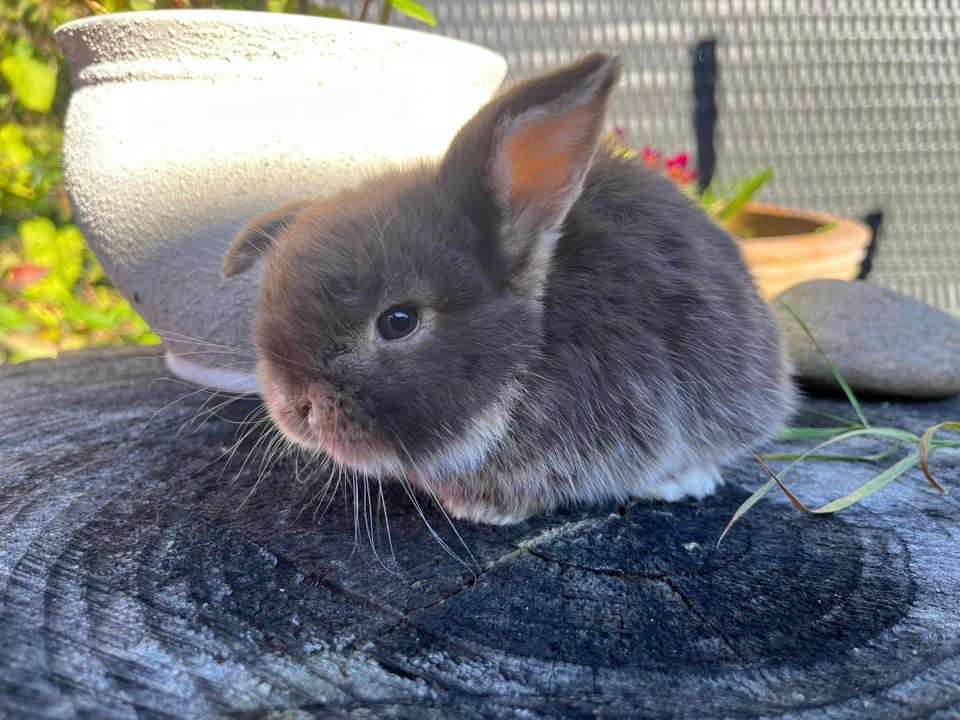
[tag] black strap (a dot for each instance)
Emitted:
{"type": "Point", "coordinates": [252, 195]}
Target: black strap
{"type": "Point", "coordinates": [705, 107]}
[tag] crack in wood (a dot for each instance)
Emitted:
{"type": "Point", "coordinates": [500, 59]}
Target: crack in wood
{"type": "Point", "coordinates": [523, 548]}
{"type": "Point", "coordinates": [545, 536]}
{"type": "Point", "coordinates": [666, 580]}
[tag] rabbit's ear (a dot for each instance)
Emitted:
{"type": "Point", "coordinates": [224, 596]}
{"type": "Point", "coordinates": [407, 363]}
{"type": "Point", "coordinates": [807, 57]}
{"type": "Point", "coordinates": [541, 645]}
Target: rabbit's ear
{"type": "Point", "coordinates": [532, 148]}
{"type": "Point", "coordinates": [546, 142]}
{"type": "Point", "coordinates": [258, 236]}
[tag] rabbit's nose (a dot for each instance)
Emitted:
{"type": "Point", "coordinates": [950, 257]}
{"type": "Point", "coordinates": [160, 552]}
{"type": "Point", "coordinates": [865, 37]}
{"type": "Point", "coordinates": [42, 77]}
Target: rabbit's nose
{"type": "Point", "coordinates": [311, 416]}
{"type": "Point", "coordinates": [302, 408]}
{"type": "Point", "coordinates": [310, 407]}
{"type": "Point", "coordinates": [296, 403]}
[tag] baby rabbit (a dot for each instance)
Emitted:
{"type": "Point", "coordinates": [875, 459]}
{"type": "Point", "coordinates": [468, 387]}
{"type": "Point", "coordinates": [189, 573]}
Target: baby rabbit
{"type": "Point", "coordinates": [532, 322]}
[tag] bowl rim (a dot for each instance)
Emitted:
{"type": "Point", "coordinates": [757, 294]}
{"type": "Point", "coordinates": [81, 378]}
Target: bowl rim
{"type": "Point", "coordinates": [95, 24]}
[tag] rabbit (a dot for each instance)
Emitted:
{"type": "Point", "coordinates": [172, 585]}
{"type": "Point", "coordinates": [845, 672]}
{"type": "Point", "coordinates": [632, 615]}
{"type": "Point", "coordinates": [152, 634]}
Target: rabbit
{"type": "Point", "coordinates": [533, 321]}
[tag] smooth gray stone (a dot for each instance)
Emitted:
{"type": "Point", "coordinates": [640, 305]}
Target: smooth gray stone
{"type": "Point", "coordinates": [882, 341]}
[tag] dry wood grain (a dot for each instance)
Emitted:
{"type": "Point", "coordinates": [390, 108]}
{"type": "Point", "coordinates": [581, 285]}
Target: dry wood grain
{"type": "Point", "coordinates": [144, 574]}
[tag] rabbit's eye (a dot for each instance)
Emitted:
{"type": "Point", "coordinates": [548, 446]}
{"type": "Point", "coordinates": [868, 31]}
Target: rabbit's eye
{"type": "Point", "coordinates": [397, 322]}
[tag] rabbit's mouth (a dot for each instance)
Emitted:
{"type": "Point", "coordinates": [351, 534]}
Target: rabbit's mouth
{"type": "Point", "coordinates": [360, 455]}
{"type": "Point", "coordinates": [316, 419]}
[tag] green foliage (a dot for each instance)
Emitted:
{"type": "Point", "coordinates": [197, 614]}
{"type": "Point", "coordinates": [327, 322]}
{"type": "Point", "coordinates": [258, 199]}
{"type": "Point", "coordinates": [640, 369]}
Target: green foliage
{"type": "Point", "coordinates": [723, 203]}
{"type": "Point", "coordinates": [31, 179]}
{"type": "Point", "coordinates": [414, 10]}
{"type": "Point", "coordinates": [32, 81]}
{"type": "Point", "coordinates": [53, 293]}
{"type": "Point", "coordinates": [53, 296]}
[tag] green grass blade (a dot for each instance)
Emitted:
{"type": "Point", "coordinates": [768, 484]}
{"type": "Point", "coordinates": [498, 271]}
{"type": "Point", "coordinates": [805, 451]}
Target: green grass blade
{"type": "Point", "coordinates": [813, 433]}
{"type": "Point", "coordinates": [775, 481]}
{"type": "Point", "coordinates": [925, 448]}
{"type": "Point", "coordinates": [826, 415]}
{"type": "Point", "coordinates": [899, 435]}
{"type": "Point", "coordinates": [887, 432]}
{"type": "Point", "coordinates": [878, 482]}
{"type": "Point", "coordinates": [854, 403]}
{"type": "Point", "coordinates": [876, 457]}
{"type": "Point", "coordinates": [745, 506]}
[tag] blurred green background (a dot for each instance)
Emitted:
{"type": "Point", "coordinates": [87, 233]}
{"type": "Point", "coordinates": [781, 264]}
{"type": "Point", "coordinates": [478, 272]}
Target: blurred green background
{"type": "Point", "coordinates": [53, 293]}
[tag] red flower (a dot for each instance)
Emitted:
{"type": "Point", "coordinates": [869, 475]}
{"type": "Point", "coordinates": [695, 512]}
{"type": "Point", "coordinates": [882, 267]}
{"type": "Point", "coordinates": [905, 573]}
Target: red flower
{"type": "Point", "coordinates": [651, 157]}
{"type": "Point", "coordinates": [678, 161]}
{"type": "Point", "coordinates": [678, 172]}
{"type": "Point", "coordinates": [675, 167]}
{"type": "Point", "coordinates": [23, 276]}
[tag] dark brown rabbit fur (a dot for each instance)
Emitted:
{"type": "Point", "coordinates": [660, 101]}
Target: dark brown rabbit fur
{"type": "Point", "coordinates": [581, 331]}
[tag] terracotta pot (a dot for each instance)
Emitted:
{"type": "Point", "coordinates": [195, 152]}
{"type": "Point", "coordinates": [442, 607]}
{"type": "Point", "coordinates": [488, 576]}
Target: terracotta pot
{"type": "Point", "coordinates": [184, 125]}
{"type": "Point", "coordinates": [784, 247]}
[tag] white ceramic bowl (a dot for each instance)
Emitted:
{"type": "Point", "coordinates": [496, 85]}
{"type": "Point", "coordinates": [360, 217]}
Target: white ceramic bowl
{"type": "Point", "coordinates": [185, 124]}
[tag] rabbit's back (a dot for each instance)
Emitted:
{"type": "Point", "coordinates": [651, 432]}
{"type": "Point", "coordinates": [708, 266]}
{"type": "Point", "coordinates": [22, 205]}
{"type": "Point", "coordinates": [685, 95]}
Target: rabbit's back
{"type": "Point", "coordinates": [657, 354]}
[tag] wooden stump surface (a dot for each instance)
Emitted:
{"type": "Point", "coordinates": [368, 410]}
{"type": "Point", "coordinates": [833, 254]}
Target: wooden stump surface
{"type": "Point", "coordinates": [146, 572]}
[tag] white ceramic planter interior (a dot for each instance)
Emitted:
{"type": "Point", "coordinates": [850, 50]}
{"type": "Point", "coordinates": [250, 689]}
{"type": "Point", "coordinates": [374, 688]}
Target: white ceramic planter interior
{"type": "Point", "coordinates": [184, 125]}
